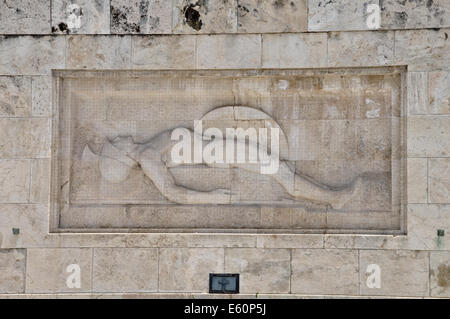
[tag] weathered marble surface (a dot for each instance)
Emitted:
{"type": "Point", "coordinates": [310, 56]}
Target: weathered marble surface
{"type": "Point", "coordinates": [423, 50]}
{"type": "Point", "coordinates": [414, 14]}
{"type": "Point", "coordinates": [141, 17]}
{"type": "Point", "coordinates": [261, 270]}
{"type": "Point", "coordinates": [110, 52]}
{"type": "Point", "coordinates": [24, 138]}
{"type": "Point", "coordinates": [440, 274]}
{"type": "Point", "coordinates": [212, 16]}
{"type": "Point", "coordinates": [417, 93]}
{"type": "Point", "coordinates": [361, 48]}
{"type": "Point", "coordinates": [188, 269]}
{"type": "Point", "coordinates": [41, 97]}
{"type": "Point", "coordinates": [40, 181]}
{"type": "Point", "coordinates": [417, 180]}
{"type": "Point", "coordinates": [225, 51]}
{"type": "Point", "coordinates": [81, 16]}
{"type": "Point", "coordinates": [439, 180]}
{"type": "Point", "coordinates": [254, 16]}
{"type": "Point", "coordinates": [15, 96]}
{"type": "Point", "coordinates": [439, 92]}
{"type": "Point", "coordinates": [47, 269]}
{"type": "Point", "coordinates": [403, 273]}
{"type": "Point", "coordinates": [125, 269]}
{"type": "Point", "coordinates": [12, 276]}
{"type": "Point", "coordinates": [163, 52]}
{"type": "Point", "coordinates": [25, 17]}
{"type": "Point", "coordinates": [338, 15]}
{"type": "Point", "coordinates": [27, 55]}
{"type": "Point", "coordinates": [14, 181]}
{"type": "Point", "coordinates": [294, 50]}
{"type": "Point", "coordinates": [324, 271]}
{"type": "Point", "coordinates": [429, 136]}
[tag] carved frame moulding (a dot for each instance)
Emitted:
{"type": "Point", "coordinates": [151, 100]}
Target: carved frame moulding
{"type": "Point", "coordinates": [341, 151]}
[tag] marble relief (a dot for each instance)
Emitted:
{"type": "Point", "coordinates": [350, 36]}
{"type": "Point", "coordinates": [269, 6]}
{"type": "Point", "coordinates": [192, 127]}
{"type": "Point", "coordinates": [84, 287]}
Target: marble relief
{"type": "Point", "coordinates": [340, 149]}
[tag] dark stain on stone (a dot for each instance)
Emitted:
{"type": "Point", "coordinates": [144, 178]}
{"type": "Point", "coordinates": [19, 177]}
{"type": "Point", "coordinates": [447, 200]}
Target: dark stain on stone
{"type": "Point", "coordinates": [401, 17]}
{"type": "Point", "coordinates": [279, 4]}
{"type": "Point", "coordinates": [429, 3]}
{"type": "Point", "coordinates": [192, 17]}
{"type": "Point", "coordinates": [63, 27]}
{"type": "Point", "coordinates": [443, 276]}
{"type": "Point", "coordinates": [445, 35]}
{"type": "Point", "coordinates": [120, 21]}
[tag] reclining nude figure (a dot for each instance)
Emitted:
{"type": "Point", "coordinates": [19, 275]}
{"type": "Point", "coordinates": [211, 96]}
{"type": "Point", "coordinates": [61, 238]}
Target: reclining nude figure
{"type": "Point", "coordinates": [154, 158]}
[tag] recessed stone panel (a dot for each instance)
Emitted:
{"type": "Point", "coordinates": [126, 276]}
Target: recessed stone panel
{"type": "Point", "coordinates": [338, 151]}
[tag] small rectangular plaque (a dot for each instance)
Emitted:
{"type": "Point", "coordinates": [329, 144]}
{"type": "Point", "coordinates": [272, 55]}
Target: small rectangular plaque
{"type": "Point", "coordinates": [224, 283]}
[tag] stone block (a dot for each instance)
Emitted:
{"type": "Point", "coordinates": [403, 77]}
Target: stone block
{"type": "Point", "coordinates": [325, 272]}
{"type": "Point", "coordinates": [294, 50]}
{"type": "Point", "coordinates": [439, 180]}
{"type": "Point", "coordinates": [213, 16]}
{"type": "Point", "coordinates": [15, 96]}
{"type": "Point", "coordinates": [25, 17]}
{"type": "Point", "coordinates": [14, 181]}
{"type": "Point", "coordinates": [141, 17]}
{"type": "Point", "coordinates": [428, 136]}
{"type": "Point", "coordinates": [188, 269]}
{"type": "Point", "coordinates": [81, 16]}
{"type": "Point", "coordinates": [98, 52]}
{"type": "Point", "coordinates": [41, 97]}
{"type": "Point", "coordinates": [12, 276]}
{"type": "Point", "coordinates": [28, 55]}
{"type": "Point", "coordinates": [261, 270]}
{"type": "Point", "coordinates": [125, 270]}
{"type": "Point", "coordinates": [163, 52]}
{"type": "Point", "coordinates": [440, 274]}
{"type": "Point", "coordinates": [439, 92]}
{"type": "Point", "coordinates": [370, 48]}
{"type": "Point", "coordinates": [49, 270]}
{"type": "Point", "coordinates": [255, 16]}
{"type": "Point", "coordinates": [417, 180]}
{"type": "Point", "coordinates": [402, 273]}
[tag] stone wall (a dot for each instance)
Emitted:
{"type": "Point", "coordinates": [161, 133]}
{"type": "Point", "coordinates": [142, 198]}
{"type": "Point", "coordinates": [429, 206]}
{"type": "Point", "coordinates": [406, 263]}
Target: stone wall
{"type": "Point", "coordinates": [39, 35]}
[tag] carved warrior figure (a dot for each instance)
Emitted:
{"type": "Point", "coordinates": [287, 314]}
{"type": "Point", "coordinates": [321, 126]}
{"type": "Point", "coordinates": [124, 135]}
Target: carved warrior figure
{"type": "Point", "coordinates": [154, 158]}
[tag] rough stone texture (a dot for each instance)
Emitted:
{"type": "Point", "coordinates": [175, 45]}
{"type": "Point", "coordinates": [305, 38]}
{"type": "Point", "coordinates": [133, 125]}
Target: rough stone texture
{"type": "Point", "coordinates": [417, 93]}
{"type": "Point", "coordinates": [14, 181]}
{"type": "Point", "coordinates": [254, 16]}
{"type": "Point", "coordinates": [125, 269]}
{"type": "Point", "coordinates": [294, 50]}
{"type": "Point", "coordinates": [360, 48]}
{"type": "Point", "coordinates": [414, 14]}
{"type": "Point", "coordinates": [110, 52]}
{"type": "Point", "coordinates": [417, 180]}
{"type": "Point", "coordinates": [423, 50]}
{"type": "Point", "coordinates": [261, 270]}
{"type": "Point", "coordinates": [24, 138]}
{"type": "Point", "coordinates": [338, 15]}
{"type": "Point", "coordinates": [324, 272]}
{"type": "Point", "coordinates": [25, 17]}
{"type": "Point", "coordinates": [31, 55]}
{"type": "Point", "coordinates": [47, 269]}
{"type": "Point", "coordinates": [15, 96]}
{"type": "Point", "coordinates": [41, 97]}
{"type": "Point", "coordinates": [141, 17]}
{"type": "Point", "coordinates": [188, 269]}
{"type": "Point", "coordinates": [403, 273]}
{"type": "Point", "coordinates": [40, 181]}
{"type": "Point", "coordinates": [212, 16]}
{"type": "Point", "coordinates": [439, 92]}
{"type": "Point", "coordinates": [163, 52]}
{"type": "Point", "coordinates": [32, 220]}
{"type": "Point", "coordinates": [429, 136]}
{"type": "Point", "coordinates": [12, 276]}
{"type": "Point", "coordinates": [228, 52]}
{"type": "Point", "coordinates": [439, 180]}
{"type": "Point", "coordinates": [440, 274]}
{"type": "Point", "coordinates": [81, 16]}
